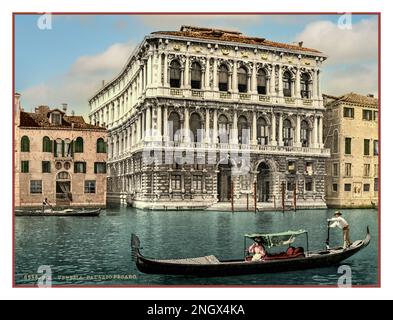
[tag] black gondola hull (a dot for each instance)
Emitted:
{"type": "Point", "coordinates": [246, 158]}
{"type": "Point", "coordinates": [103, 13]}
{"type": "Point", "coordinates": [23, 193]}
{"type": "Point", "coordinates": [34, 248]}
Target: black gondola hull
{"type": "Point", "coordinates": [241, 267]}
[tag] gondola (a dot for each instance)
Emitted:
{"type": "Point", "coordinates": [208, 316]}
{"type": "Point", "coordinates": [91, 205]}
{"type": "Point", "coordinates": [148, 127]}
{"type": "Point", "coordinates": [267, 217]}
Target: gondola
{"type": "Point", "coordinates": [210, 266]}
{"type": "Point", "coordinates": [58, 213]}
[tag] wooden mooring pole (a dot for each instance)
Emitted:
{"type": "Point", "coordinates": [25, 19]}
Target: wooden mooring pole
{"type": "Point", "coordinates": [232, 189]}
{"type": "Point", "coordinates": [255, 197]}
{"type": "Point", "coordinates": [283, 196]}
{"type": "Point", "coordinates": [294, 196]}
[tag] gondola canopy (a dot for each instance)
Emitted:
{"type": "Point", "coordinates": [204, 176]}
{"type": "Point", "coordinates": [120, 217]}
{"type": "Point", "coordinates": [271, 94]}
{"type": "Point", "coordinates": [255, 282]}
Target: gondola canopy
{"type": "Point", "coordinates": [276, 239]}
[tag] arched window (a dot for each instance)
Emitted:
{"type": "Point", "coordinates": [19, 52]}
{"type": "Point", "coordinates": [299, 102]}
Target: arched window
{"type": "Point", "coordinates": [101, 146]}
{"type": "Point", "coordinates": [287, 84]}
{"type": "Point", "coordinates": [46, 144]}
{"type": "Point", "coordinates": [288, 133]}
{"type": "Point", "coordinates": [223, 129]}
{"type": "Point", "coordinates": [304, 134]}
{"type": "Point", "coordinates": [63, 175]}
{"type": "Point", "coordinates": [79, 145]}
{"type": "Point", "coordinates": [67, 148]}
{"type": "Point", "coordinates": [242, 80]}
{"type": "Point", "coordinates": [196, 76]}
{"type": "Point", "coordinates": [243, 128]}
{"type": "Point", "coordinates": [174, 74]}
{"type": "Point", "coordinates": [262, 131]}
{"type": "Point", "coordinates": [25, 144]}
{"type": "Point", "coordinates": [261, 81]}
{"type": "Point", "coordinates": [335, 141]}
{"type": "Point", "coordinates": [223, 78]}
{"type": "Point", "coordinates": [195, 126]}
{"type": "Point", "coordinates": [174, 126]}
{"type": "Point", "coordinates": [58, 148]}
{"type": "Point", "coordinates": [305, 86]}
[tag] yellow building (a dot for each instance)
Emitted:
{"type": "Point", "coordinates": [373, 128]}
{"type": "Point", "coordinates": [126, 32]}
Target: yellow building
{"type": "Point", "coordinates": [351, 133]}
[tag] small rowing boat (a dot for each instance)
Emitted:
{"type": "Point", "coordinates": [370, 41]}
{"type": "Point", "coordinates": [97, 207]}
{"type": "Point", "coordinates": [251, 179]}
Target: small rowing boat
{"type": "Point", "coordinates": [58, 213]}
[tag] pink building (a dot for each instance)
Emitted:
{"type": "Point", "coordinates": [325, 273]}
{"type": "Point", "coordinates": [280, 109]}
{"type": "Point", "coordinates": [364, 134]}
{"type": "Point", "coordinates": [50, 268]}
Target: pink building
{"type": "Point", "coordinates": [59, 157]}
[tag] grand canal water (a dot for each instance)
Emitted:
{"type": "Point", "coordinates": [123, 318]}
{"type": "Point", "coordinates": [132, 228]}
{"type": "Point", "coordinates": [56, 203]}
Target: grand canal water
{"type": "Point", "coordinates": [96, 251]}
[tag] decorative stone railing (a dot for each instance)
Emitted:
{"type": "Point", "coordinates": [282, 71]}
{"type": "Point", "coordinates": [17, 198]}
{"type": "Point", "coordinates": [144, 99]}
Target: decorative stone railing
{"type": "Point", "coordinates": [220, 147]}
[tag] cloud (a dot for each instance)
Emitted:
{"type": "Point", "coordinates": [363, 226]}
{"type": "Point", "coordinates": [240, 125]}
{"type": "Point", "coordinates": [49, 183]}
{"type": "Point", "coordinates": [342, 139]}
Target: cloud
{"type": "Point", "coordinates": [80, 82]}
{"type": "Point", "coordinates": [362, 79]}
{"type": "Point", "coordinates": [343, 45]}
{"type": "Point", "coordinates": [352, 63]}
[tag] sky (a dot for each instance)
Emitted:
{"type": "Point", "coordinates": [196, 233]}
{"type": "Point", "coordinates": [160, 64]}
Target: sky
{"type": "Point", "coordinates": [66, 61]}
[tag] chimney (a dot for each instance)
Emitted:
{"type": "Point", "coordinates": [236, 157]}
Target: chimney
{"type": "Point", "coordinates": [103, 83]}
{"type": "Point", "coordinates": [370, 95]}
{"type": "Point", "coordinates": [64, 107]}
{"type": "Point", "coordinates": [17, 108]}
{"type": "Point", "coordinates": [300, 43]}
{"type": "Point", "coordinates": [72, 112]}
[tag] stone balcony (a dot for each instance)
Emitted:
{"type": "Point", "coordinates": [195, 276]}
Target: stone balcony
{"type": "Point", "coordinates": [252, 98]}
{"type": "Point", "coordinates": [222, 147]}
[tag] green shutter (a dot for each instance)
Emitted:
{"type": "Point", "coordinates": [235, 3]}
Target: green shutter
{"type": "Point", "coordinates": [54, 148]}
{"type": "Point", "coordinates": [74, 167]}
{"type": "Point", "coordinates": [95, 167]}
{"type": "Point", "coordinates": [62, 148]}
{"type": "Point", "coordinates": [84, 167]}
{"type": "Point", "coordinates": [72, 148]}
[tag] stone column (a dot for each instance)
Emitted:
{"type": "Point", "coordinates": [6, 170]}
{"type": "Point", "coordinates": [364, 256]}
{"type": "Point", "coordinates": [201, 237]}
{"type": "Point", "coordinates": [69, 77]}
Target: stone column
{"type": "Point", "coordinates": [159, 123]}
{"type": "Point", "coordinates": [149, 69]}
{"type": "Point", "coordinates": [109, 148]}
{"type": "Point", "coordinates": [280, 84]}
{"type": "Point", "coordinates": [207, 126]}
{"type": "Point", "coordinates": [297, 84]}
{"type": "Point", "coordinates": [254, 128]}
{"type": "Point", "coordinates": [249, 83]}
{"type": "Point", "coordinates": [143, 125]}
{"type": "Point", "coordinates": [273, 81]}
{"type": "Point", "coordinates": [319, 85]}
{"type": "Point", "coordinates": [138, 129]}
{"type": "Point", "coordinates": [280, 128]}
{"type": "Point", "coordinates": [187, 73]}
{"type": "Point", "coordinates": [254, 79]}
{"type": "Point", "coordinates": [315, 132]}
{"type": "Point", "coordinates": [215, 75]}
{"type": "Point", "coordinates": [186, 125]}
{"type": "Point", "coordinates": [158, 80]}
{"type": "Point", "coordinates": [166, 84]}
{"type": "Point", "coordinates": [320, 133]}
{"type": "Point", "coordinates": [207, 74]}
{"type": "Point", "coordinates": [292, 88]}
{"type": "Point", "coordinates": [148, 124]}
{"type": "Point", "coordinates": [315, 84]}
{"type": "Point", "coordinates": [129, 136]}
{"type": "Point", "coordinates": [273, 133]}
{"type": "Point", "coordinates": [234, 78]}
{"type": "Point", "coordinates": [234, 129]}
{"type": "Point", "coordinates": [215, 126]}
{"type": "Point", "coordinates": [297, 142]}
{"type": "Point", "coordinates": [166, 137]}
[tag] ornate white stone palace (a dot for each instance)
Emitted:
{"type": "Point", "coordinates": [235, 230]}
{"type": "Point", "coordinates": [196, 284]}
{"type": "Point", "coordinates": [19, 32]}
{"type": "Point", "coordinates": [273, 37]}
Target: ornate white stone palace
{"type": "Point", "coordinates": [196, 111]}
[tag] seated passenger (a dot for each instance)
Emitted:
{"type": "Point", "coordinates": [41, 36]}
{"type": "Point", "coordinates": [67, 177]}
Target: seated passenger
{"type": "Point", "coordinates": [257, 250]}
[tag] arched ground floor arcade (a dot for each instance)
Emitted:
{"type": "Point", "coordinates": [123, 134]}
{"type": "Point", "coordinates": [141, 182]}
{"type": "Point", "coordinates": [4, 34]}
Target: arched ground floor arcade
{"type": "Point", "coordinates": [213, 182]}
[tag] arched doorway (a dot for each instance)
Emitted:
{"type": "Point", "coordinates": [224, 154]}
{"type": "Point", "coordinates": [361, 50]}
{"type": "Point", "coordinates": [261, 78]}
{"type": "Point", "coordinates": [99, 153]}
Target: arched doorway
{"type": "Point", "coordinates": [263, 182]}
{"type": "Point", "coordinates": [63, 188]}
{"type": "Point", "coordinates": [224, 181]}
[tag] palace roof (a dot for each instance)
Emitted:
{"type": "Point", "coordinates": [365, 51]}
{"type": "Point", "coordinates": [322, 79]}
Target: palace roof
{"type": "Point", "coordinates": [231, 36]}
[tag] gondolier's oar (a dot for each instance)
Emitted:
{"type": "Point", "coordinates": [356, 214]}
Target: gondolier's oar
{"type": "Point", "coordinates": [328, 236]}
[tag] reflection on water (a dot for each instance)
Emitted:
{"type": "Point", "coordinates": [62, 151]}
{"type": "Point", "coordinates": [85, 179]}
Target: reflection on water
{"type": "Point", "coordinates": [100, 246]}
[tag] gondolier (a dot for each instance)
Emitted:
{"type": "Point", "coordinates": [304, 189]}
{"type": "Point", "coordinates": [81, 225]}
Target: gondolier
{"type": "Point", "coordinates": [340, 222]}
